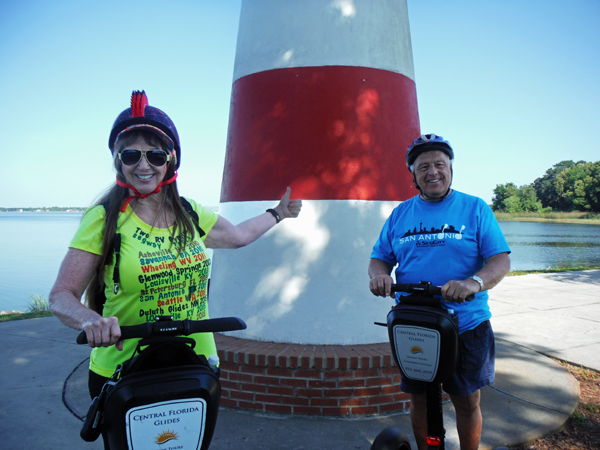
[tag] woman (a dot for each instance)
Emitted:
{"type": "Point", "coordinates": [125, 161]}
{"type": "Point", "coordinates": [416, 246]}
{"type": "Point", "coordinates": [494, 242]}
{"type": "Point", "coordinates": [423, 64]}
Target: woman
{"type": "Point", "coordinates": [139, 253]}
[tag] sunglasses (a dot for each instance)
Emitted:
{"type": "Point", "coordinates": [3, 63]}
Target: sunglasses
{"type": "Point", "coordinates": [155, 157]}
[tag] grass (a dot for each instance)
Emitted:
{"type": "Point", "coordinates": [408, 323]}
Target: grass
{"type": "Point", "coordinates": [37, 307]}
{"type": "Point", "coordinates": [586, 374]}
{"type": "Point", "coordinates": [21, 316]}
{"type": "Point", "coordinates": [579, 419]}
{"type": "Point", "coordinates": [551, 270]}
{"type": "Point", "coordinates": [587, 218]}
{"type": "Point", "coordinates": [37, 303]}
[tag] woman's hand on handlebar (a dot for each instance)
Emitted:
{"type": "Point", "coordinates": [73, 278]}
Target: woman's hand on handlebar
{"type": "Point", "coordinates": [103, 332]}
{"type": "Point", "coordinates": [457, 291]}
{"type": "Point", "coordinates": [381, 285]}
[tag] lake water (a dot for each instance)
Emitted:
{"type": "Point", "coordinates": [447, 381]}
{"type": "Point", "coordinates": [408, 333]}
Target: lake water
{"type": "Point", "coordinates": [552, 245]}
{"type": "Point", "coordinates": [34, 244]}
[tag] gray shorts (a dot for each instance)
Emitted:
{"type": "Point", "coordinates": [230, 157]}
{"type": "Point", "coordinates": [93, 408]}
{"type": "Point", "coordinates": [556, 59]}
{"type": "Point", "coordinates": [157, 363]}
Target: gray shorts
{"type": "Point", "coordinates": [475, 367]}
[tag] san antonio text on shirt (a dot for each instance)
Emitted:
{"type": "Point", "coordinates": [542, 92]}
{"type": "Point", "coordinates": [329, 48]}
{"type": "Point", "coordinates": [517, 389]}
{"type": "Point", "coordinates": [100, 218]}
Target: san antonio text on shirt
{"type": "Point", "coordinates": [433, 236]}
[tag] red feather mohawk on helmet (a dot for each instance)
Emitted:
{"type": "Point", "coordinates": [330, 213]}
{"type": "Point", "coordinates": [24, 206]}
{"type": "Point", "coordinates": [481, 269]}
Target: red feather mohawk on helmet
{"type": "Point", "coordinates": [144, 116]}
{"type": "Point", "coordinates": [139, 101]}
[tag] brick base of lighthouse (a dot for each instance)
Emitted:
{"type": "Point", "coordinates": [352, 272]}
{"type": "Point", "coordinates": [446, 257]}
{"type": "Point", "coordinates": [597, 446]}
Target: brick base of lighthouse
{"type": "Point", "coordinates": [333, 380]}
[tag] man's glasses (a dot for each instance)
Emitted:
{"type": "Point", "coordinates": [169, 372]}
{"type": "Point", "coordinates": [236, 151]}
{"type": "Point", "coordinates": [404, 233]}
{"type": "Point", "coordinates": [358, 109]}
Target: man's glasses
{"type": "Point", "coordinates": [155, 157]}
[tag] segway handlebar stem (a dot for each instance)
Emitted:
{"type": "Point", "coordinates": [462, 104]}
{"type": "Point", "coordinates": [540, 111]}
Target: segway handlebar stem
{"type": "Point", "coordinates": [167, 327]}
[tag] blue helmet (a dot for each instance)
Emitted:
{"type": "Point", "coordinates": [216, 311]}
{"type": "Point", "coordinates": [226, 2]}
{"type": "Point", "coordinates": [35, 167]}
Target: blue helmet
{"type": "Point", "coordinates": [426, 143]}
{"type": "Point", "coordinates": [143, 116]}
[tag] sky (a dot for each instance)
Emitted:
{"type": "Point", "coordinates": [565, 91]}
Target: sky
{"type": "Point", "coordinates": [512, 84]}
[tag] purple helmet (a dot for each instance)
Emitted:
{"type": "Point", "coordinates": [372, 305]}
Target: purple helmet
{"type": "Point", "coordinates": [425, 143]}
{"type": "Point", "coordinates": [143, 116]}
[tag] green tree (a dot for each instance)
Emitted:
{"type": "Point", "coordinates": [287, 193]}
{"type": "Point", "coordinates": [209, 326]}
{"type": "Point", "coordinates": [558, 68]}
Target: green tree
{"type": "Point", "coordinates": [513, 204]}
{"type": "Point", "coordinates": [501, 193]}
{"type": "Point", "coordinates": [510, 198]}
{"type": "Point", "coordinates": [545, 186]}
{"type": "Point", "coordinates": [578, 187]}
{"type": "Point", "coordinates": [529, 199]}
{"type": "Point", "coordinates": [593, 187]}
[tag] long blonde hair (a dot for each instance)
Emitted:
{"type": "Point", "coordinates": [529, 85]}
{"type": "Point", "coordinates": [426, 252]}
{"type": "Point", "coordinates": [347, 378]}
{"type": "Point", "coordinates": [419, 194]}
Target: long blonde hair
{"type": "Point", "coordinates": [112, 202]}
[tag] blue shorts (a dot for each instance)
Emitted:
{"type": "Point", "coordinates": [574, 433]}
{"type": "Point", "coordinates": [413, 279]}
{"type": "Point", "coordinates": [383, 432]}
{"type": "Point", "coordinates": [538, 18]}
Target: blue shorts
{"type": "Point", "coordinates": [475, 367]}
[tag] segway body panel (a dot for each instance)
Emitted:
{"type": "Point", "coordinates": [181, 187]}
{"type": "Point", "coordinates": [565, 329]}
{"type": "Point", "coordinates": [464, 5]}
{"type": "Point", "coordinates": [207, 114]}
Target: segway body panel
{"type": "Point", "coordinates": [166, 397]}
{"type": "Point", "coordinates": [424, 339]}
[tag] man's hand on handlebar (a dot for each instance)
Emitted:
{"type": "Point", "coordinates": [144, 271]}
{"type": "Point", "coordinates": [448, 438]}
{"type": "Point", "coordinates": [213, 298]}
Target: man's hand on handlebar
{"type": "Point", "coordinates": [103, 332]}
{"type": "Point", "coordinates": [381, 285]}
{"type": "Point", "coordinates": [453, 291]}
{"type": "Point", "coordinates": [457, 291]}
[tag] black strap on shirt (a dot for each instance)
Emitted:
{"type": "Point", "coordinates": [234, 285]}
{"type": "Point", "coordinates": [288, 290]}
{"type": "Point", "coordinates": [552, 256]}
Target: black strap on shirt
{"type": "Point", "coordinates": [193, 214]}
{"type": "Point", "coordinates": [117, 251]}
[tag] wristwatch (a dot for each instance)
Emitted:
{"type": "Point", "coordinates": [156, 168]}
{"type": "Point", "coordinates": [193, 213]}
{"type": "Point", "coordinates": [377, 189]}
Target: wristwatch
{"type": "Point", "coordinates": [479, 280]}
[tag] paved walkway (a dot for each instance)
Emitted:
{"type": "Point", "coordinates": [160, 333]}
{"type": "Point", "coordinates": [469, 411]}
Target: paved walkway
{"type": "Point", "coordinates": [556, 314]}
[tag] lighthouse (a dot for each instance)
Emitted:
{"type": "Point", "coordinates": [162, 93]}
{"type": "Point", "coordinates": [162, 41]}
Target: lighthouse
{"type": "Point", "coordinates": [324, 101]}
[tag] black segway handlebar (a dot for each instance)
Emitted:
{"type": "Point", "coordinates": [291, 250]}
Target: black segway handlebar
{"type": "Point", "coordinates": [164, 326]}
{"type": "Point", "coordinates": [424, 287]}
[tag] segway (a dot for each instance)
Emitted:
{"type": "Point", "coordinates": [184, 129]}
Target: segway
{"type": "Point", "coordinates": [165, 393]}
{"type": "Point", "coordinates": [424, 341]}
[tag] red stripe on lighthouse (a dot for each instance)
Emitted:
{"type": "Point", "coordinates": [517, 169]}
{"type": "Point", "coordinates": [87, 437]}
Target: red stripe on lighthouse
{"type": "Point", "coordinates": [330, 132]}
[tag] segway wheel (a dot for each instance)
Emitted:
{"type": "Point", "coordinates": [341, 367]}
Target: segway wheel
{"type": "Point", "coordinates": [391, 438]}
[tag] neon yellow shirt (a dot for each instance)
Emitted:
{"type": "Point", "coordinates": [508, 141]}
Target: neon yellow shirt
{"type": "Point", "coordinates": [154, 279]}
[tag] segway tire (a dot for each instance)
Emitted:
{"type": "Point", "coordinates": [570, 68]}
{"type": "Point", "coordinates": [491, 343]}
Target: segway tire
{"type": "Point", "coordinates": [391, 438]}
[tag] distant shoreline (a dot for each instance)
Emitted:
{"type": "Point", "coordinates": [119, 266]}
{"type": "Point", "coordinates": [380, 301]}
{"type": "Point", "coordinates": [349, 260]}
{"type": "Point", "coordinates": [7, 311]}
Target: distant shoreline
{"type": "Point", "coordinates": [69, 209]}
{"type": "Point", "coordinates": [540, 220]}
{"type": "Point", "coordinates": [575, 217]}
{"type": "Point", "coordinates": [584, 218]}
{"type": "Point", "coordinates": [44, 209]}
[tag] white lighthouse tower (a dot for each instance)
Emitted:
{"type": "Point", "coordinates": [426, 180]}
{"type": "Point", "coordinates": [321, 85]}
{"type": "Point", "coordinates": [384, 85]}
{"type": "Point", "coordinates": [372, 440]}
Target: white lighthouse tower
{"type": "Point", "coordinates": [324, 101]}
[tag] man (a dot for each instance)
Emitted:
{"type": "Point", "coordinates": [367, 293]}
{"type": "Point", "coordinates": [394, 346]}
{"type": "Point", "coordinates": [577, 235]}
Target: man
{"type": "Point", "coordinates": [454, 241]}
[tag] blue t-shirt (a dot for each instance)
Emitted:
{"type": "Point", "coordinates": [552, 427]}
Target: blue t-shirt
{"type": "Point", "coordinates": [443, 241]}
